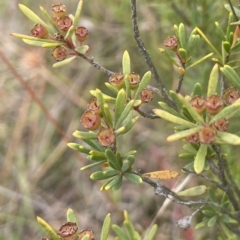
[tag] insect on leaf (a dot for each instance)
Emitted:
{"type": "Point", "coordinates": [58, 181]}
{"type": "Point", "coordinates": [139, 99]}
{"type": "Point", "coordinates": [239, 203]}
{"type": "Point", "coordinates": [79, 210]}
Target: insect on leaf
{"type": "Point", "coordinates": [165, 174]}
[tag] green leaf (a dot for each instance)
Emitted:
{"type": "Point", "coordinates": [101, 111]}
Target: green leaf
{"type": "Point", "coordinates": [77, 14]}
{"type": "Point", "coordinates": [175, 98]}
{"type": "Point", "coordinates": [100, 175]}
{"type": "Point", "coordinates": [226, 112]}
{"type": "Point", "coordinates": [97, 153]}
{"type": "Point", "coordinates": [115, 183]}
{"type": "Point", "coordinates": [171, 118]}
{"type": "Point", "coordinates": [64, 62]}
{"type": "Point", "coordinates": [126, 63]}
{"type": "Point", "coordinates": [50, 19]}
{"type": "Point", "coordinates": [79, 148]}
{"type": "Point", "coordinates": [105, 97]}
{"type": "Point", "coordinates": [220, 31]}
{"type": "Point", "coordinates": [92, 165]}
{"type": "Point", "coordinates": [183, 54]}
{"type": "Point", "coordinates": [192, 42]}
{"type": "Point", "coordinates": [48, 229]}
{"type": "Point", "coordinates": [69, 32]}
{"type": "Point", "coordinates": [208, 213]}
{"type": "Point", "coordinates": [229, 138]}
{"type": "Point", "coordinates": [190, 148]}
{"type": "Point", "coordinates": [85, 135]}
{"type": "Point", "coordinates": [236, 10]}
{"type": "Point", "coordinates": [199, 161]}
{"type": "Point", "coordinates": [126, 165]}
{"type": "Point", "coordinates": [186, 155]}
{"type": "Point", "coordinates": [191, 110]}
{"type": "Point", "coordinates": [112, 159]}
{"type": "Point", "coordinates": [133, 178]}
{"type": "Point", "coordinates": [213, 81]}
{"type": "Point", "coordinates": [119, 105]}
{"type": "Point", "coordinates": [212, 195]}
{"type": "Point", "coordinates": [111, 88]}
{"type": "Point", "coordinates": [50, 45]}
{"type": "Point", "coordinates": [182, 35]}
{"type": "Point", "coordinates": [106, 227]}
{"type": "Point", "coordinates": [71, 216]}
{"type": "Point", "coordinates": [225, 218]}
{"type": "Point", "coordinates": [200, 60]}
{"type": "Point", "coordinates": [100, 99]}
{"type": "Point", "coordinates": [152, 232]}
{"type": "Point", "coordinates": [227, 46]}
{"type": "Point", "coordinates": [193, 191]}
{"type": "Point", "coordinates": [119, 231]}
{"type": "Point", "coordinates": [201, 224]}
{"type": "Point", "coordinates": [168, 109]}
{"type": "Point", "coordinates": [22, 36]}
{"type": "Point", "coordinates": [169, 57]}
{"type": "Point", "coordinates": [143, 84]}
{"type": "Point", "coordinates": [39, 43]}
{"type": "Point", "coordinates": [33, 17]}
{"type": "Point", "coordinates": [125, 113]}
{"type": "Point", "coordinates": [94, 144]}
{"type": "Point", "coordinates": [183, 134]}
{"type": "Point", "coordinates": [197, 90]}
{"type": "Point", "coordinates": [212, 221]}
{"type": "Point", "coordinates": [124, 129]}
{"type": "Point", "coordinates": [82, 49]}
{"type": "Point", "coordinates": [231, 75]}
{"type": "Point", "coordinates": [107, 115]}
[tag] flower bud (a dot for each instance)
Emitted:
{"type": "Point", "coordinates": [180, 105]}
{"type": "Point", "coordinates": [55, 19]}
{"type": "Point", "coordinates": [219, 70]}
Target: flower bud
{"type": "Point", "coordinates": [68, 231]}
{"type": "Point", "coordinates": [59, 53]}
{"type": "Point", "coordinates": [198, 103]}
{"type": "Point", "coordinates": [86, 232]}
{"type": "Point", "coordinates": [90, 120]}
{"type": "Point", "coordinates": [230, 95]}
{"type": "Point", "coordinates": [146, 95]}
{"type": "Point", "coordinates": [117, 80]}
{"type": "Point", "coordinates": [94, 106]}
{"type": "Point", "coordinates": [59, 10]}
{"type": "Point", "coordinates": [81, 33]}
{"type": "Point", "coordinates": [221, 124]}
{"type": "Point", "coordinates": [39, 31]}
{"type": "Point", "coordinates": [194, 138]}
{"type": "Point", "coordinates": [207, 135]}
{"type": "Point", "coordinates": [106, 137]}
{"type": "Point", "coordinates": [171, 43]}
{"type": "Point", "coordinates": [64, 23]}
{"type": "Point", "coordinates": [134, 80]}
{"type": "Point", "coordinates": [214, 104]}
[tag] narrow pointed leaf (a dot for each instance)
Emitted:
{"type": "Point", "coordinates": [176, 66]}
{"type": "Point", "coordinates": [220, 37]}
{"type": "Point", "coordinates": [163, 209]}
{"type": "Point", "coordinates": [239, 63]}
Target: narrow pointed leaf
{"type": "Point", "coordinates": [85, 135]}
{"type": "Point", "coordinates": [127, 127]}
{"type": "Point", "coordinates": [117, 180]}
{"type": "Point", "coordinates": [143, 84]}
{"type": "Point", "coordinates": [199, 161]}
{"type": "Point", "coordinates": [41, 43]}
{"type": "Point", "coordinates": [227, 112]}
{"type": "Point", "coordinates": [168, 109]}
{"type": "Point", "coordinates": [175, 98]}
{"type": "Point", "coordinates": [100, 99]}
{"type": "Point", "coordinates": [133, 178]}
{"type": "Point", "coordinates": [48, 229]}
{"type": "Point", "coordinates": [212, 221]}
{"type": "Point", "coordinates": [171, 118]}
{"type": "Point", "coordinates": [192, 42]}
{"type": "Point", "coordinates": [119, 105]}
{"type": "Point", "coordinates": [94, 144]}
{"type": "Point", "coordinates": [69, 32]}
{"type": "Point", "coordinates": [22, 36]}
{"type": "Point", "coordinates": [125, 113]}
{"type": "Point", "coordinates": [106, 227]}
{"type": "Point", "coordinates": [64, 62]}
{"type": "Point", "coordinates": [120, 232]}
{"type": "Point", "coordinates": [33, 17]}
{"type": "Point", "coordinates": [77, 14]}
{"type": "Point", "coordinates": [169, 57]}
{"type": "Point", "coordinates": [193, 191]}
{"type": "Point", "coordinates": [126, 64]}
{"type": "Point", "coordinates": [183, 54]}
{"type": "Point", "coordinates": [112, 159]}
{"type": "Point", "coordinates": [100, 175]}
{"type": "Point", "coordinates": [190, 109]}
{"type": "Point", "coordinates": [190, 148]}
{"type": "Point", "coordinates": [82, 49]}
{"type": "Point", "coordinates": [111, 88]}
{"type": "Point", "coordinates": [201, 224]}
{"type": "Point", "coordinates": [197, 90]}
{"type": "Point", "coordinates": [213, 81]}
{"type": "Point", "coordinates": [231, 75]}
{"type": "Point", "coordinates": [92, 165]}
{"type": "Point", "coordinates": [164, 174]}
{"type": "Point", "coordinates": [183, 134]}
{"type": "Point", "coordinates": [106, 98]}
{"type": "Point", "coordinates": [236, 10]}
{"type": "Point", "coordinates": [220, 31]}
{"type": "Point", "coordinates": [152, 232]}
{"type": "Point", "coordinates": [79, 148]}
{"type": "Point", "coordinates": [71, 216]}
{"type": "Point", "coordinates": [107, 115]}
{"type": "Point", "coordinates": [229, 138]}
{"type": "Point", "coordinates": [182, 35]}
{"type": "Point", "coordinates": [200, 60]}
{"type": "Point", "coordinates": [51, 45]}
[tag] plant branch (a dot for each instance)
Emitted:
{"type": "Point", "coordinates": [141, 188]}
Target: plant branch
{"type": "Point", "coordinates": [180, 81]}
{"type": "Point", "coordinates": [146, 56]}
{"type": "Point", "coordinates": [146, 115]}
{"type": "Point", "coordinates": [233, 11]}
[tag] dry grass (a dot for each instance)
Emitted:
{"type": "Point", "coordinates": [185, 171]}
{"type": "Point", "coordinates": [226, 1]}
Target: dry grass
{"type": "Point", "coordinates": [39, 174]}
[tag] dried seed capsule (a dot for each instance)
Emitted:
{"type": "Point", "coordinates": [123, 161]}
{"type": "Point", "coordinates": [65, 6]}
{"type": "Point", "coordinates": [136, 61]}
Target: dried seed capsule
{"type": "Point", "coordinates": [94, 107]}
{"type": "Point", "coordinates": [106, 137]}
{"type": "Point", "coordinates": [117, 80]}
{"type": "Point", "coordinates": [81, 33]}
{"type": "Point", "coordinates": [90, 120]}
{"type": "Point", "coordinates": [64, 23]}
{"type": "Point", "coordinates": [207, 135]}
{"type": "Point", "coordinates": [194, 138]}
{"type": "Point", "coordinates": [68, 231]}
{"type": "Point", "coordinates": [221, 124]}
{"type": "Point", "coordinates": [146, 95]}
{"type": "Point", "coordinates": [214, 104]}
{"type": "Point", "coordinates": [230, 95]}
{"type": "Point", "coordinates": [134, 80]}
{"type": "Point", "coordinates": [86, 232]}
{"type": "Point", "coordinates": [59, 53]}
{"type": "Point", "coordinates": [198, 103]}
{"type": "Point", "coordinates": [39, 31]}
{"type": "Point", "coordinates": [171, 43]}
{"type": "Point", "coordinates": [59, 10]}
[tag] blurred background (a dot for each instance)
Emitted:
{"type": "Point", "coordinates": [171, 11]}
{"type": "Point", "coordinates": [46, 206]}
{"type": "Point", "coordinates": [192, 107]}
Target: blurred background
{"type": "Point", "coordinates": [39, 174]}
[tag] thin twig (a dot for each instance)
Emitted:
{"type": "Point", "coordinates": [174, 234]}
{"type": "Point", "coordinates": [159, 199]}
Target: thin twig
{"type": "Point", "coordinates": [146, 56]}
{"type": "Point", "coordinates": [233, 11]}
{"type": "Point", "coordinates": [146, 115]}
{"type": "Point", "coordinates": [180, 81]}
